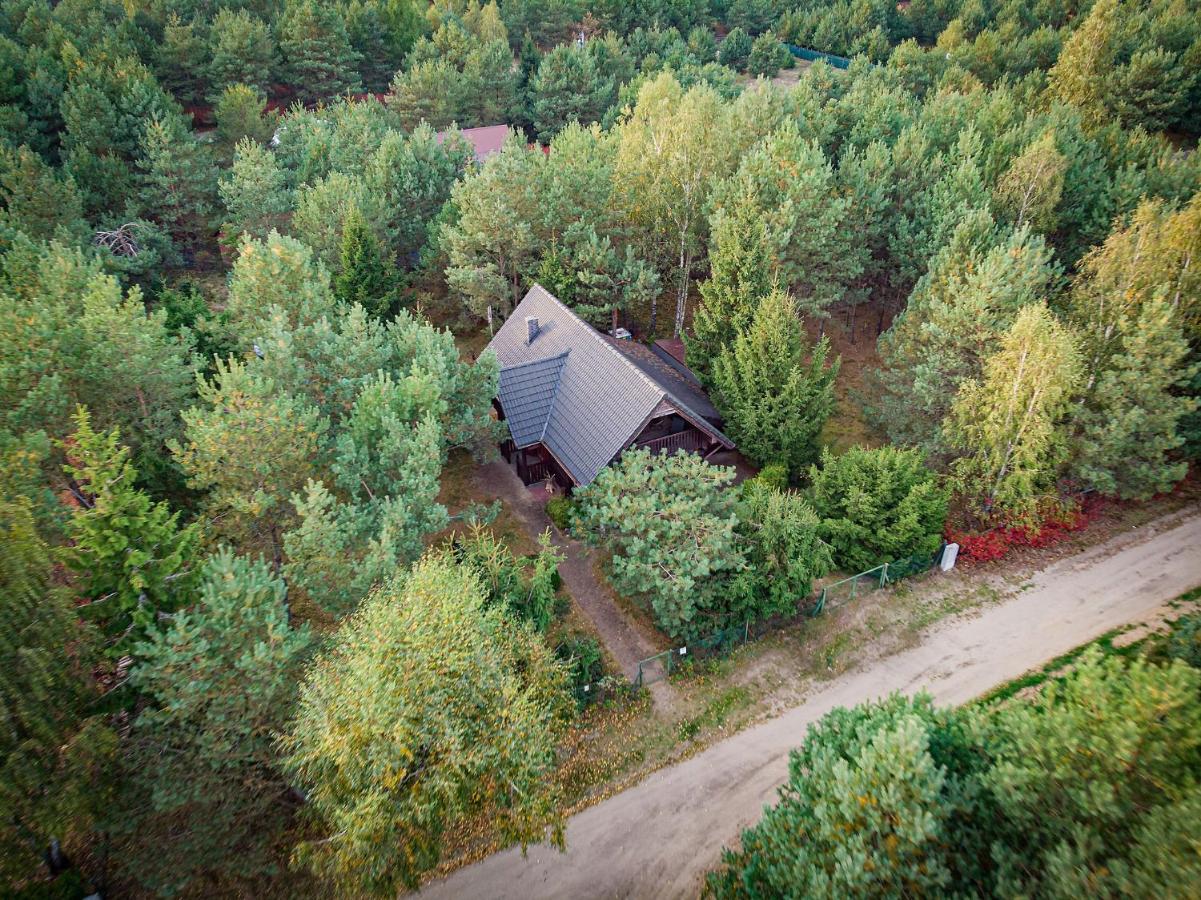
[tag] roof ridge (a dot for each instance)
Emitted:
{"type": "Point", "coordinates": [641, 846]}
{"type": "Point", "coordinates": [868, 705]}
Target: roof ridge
{"type": "Point", "coordinates": [599, 338]}
{"type": "Point", "coordinates": [550, 410]}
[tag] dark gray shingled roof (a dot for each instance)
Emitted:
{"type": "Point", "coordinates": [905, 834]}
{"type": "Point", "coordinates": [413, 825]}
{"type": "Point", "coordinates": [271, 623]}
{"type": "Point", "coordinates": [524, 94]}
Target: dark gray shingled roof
{"type": "Point", "coordinates": [526, 393]}
{"type": "Point", "coordinates": [593, 399]}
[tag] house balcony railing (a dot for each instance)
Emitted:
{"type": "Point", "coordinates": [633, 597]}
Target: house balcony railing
{"type": "Point", "coordinates": [689, 441]}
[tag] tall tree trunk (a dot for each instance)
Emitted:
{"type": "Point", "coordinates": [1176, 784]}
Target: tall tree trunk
{"type": "Point", "coordinates": [682, 294]}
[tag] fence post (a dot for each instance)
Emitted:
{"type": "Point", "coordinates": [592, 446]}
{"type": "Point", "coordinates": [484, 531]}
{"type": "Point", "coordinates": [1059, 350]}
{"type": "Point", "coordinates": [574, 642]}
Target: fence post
{"type": "Point", "coordinates": [884, 575]}
{"type": "Point", "coordinates": [746, 631]}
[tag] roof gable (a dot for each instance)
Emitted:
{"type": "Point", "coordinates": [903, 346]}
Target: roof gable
{"type": "Point", "coordinates": [592, 397]}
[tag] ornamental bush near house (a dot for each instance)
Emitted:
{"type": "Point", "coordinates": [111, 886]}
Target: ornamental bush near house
{"type": "Point", "coordinates": [561, 511]}
{"type": "Point", "coordinates": [671, 527]}
{"type": "Point", "coordinates": [877, 505]}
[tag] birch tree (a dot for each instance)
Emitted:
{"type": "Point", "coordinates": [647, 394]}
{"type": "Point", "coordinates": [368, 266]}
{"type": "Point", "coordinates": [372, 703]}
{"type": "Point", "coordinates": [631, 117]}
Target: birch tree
{"type": "Point", "coordinates": [1009, 423]}
{"type": "Point", "coordinates": [673, 146]}
{"type": "Point", "coordinates": [1130, 303]}
{"type": "Point", "coordinates": [1032, 186]}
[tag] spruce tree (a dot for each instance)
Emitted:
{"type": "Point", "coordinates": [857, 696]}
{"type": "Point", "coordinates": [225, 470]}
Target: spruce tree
{"type": "Point", "coordinates": [741, 274]}
{"type": "Point", "coordinates": [877, 506]}
{"type": "Point", "coordinates": [132, 557]}
{"type": "Point", "coordinates": [53, 758]}
{"type": "Point", "coordinates": [773, 389]}
{"type": "Point", "coordinates": [364, 276]}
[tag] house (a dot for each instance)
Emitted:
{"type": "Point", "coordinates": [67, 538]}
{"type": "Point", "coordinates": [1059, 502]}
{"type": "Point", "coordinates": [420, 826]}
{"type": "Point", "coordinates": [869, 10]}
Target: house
{"type": "Point", "coordinates": [575, 398]}
{"type": "Point", "coordinates": [486, 140]}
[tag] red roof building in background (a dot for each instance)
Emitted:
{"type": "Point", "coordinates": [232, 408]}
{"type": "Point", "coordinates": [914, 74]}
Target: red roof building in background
{"type": "Point", "coordinates": [486, 140]}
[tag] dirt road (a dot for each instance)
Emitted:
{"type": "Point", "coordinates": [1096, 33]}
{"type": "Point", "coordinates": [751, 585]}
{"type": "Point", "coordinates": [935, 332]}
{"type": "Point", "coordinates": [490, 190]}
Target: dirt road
{"type": "Point", "coordinates": [658, 838]}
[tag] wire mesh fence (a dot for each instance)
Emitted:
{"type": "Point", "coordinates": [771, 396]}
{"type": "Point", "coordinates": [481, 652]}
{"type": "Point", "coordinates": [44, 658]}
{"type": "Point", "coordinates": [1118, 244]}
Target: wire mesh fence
{"type": "Point", "coordinates": [661, 665]}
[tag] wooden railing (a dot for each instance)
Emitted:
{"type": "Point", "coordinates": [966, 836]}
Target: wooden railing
{"type": "Point", "coordinates": [690, 441]}
{"type": "Point", "coordinates": [533, 471]}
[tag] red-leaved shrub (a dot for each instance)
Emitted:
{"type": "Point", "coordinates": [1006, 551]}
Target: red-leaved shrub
{"type": "Point", "coordinates": [997, 542]}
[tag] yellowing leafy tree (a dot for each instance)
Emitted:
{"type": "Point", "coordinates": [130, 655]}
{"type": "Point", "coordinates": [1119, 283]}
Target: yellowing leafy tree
{"type": "Point", "coordinates": [1032, 186]}
{"type": "Point", "coordinates": [429, 707]}
{"type": "Point", "coordinates": [673, 147]}
{"type": "Point", "coordinates": [1009, 424]}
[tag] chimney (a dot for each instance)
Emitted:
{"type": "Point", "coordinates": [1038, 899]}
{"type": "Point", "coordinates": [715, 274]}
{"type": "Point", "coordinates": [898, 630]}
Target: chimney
{"type": "Point", "coordinates": [531, 329]}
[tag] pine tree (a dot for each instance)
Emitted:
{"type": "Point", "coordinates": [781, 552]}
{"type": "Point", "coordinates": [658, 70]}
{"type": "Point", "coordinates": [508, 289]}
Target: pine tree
{"type": "Point", "coordinates": [180, 60]}
{"type": "Point", "coordinates": [768, 56]}
{"type": "Point", "coordinates": [241, 52]}
{"type": "Point", "coordinates": [735, 49]}
{"type": "Point", "coordinates": [322, 210]}
{"type": "Point", "coordinates": [774, 392]}
{"type": "Point", "coordinates": [251, 448]}
{"type": "Point", "coordinates": [316, 51]}
{"type": "Point", "coordinates": [132, 557]}
{"type": "Point", "coordinates": [218, 681]}
{"type": "Point", "coordinates": [671, 528]}
{"type": "Point", "coordinates": [1010, 423]}
{"type": "Point", "coordinates": [740, 276]}
{"type": "Point", "coordinates": [37, 200]}
{"type": "Point", "coordinates": [387, 460]}
{"type": "Point", "coordinates": [364, 277]}
{"type": "Point", "coordinates": [884, 788]}
{"type": "Point", "coordinates": [254, 193]}
{"type": "Point", "coordinates": [568, 87]}
{"type": "Point", "coordinates": [272, 277]}
{"type": "Point", "coordinates": [241, 112]}
{"type": "Point", "coordinates": [792, 185]}
{"type": "Point", "coordinates": [428, 747]}
{"type": "Point", "coordinates": [177, 188]}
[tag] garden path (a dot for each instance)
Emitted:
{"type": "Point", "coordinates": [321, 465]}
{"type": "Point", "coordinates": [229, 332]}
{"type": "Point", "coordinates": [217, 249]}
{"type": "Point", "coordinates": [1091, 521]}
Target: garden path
{"type": "Point", "coordinates": [626, 642]}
